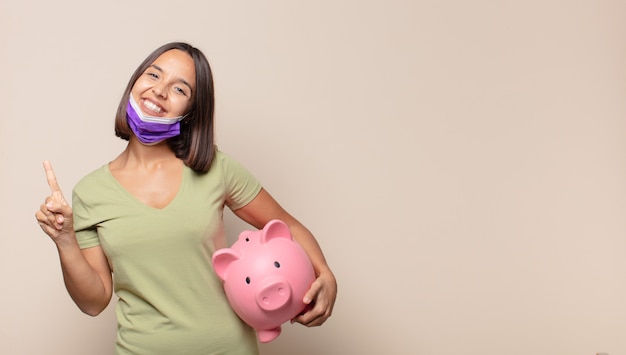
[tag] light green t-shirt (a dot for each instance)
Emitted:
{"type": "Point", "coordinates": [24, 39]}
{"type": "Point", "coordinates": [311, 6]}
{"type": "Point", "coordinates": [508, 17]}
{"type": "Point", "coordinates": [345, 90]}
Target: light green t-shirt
{"type": "Point", "coordinates": [170, 300]}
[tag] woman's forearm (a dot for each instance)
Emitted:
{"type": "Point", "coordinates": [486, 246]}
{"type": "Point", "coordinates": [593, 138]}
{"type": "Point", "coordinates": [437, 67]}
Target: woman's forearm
{"type": "Point", "coordinates": [305, 238]}
{"type": "Point", "coordinates": [90, 289]}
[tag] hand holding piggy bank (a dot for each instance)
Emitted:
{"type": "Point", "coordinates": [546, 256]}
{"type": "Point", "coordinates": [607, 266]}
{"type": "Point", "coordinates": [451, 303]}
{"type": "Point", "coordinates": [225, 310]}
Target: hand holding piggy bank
{"type": "Point", "coordinates": [265, 275]}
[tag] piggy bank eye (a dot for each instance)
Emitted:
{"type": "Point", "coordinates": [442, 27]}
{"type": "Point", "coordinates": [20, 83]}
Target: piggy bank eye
{"type": "Point", "coordinates": [277, 264]}
{"type": "Point", "coordinates": [248, 280]}
{"type": "Point", "coordinates": [247, 239]}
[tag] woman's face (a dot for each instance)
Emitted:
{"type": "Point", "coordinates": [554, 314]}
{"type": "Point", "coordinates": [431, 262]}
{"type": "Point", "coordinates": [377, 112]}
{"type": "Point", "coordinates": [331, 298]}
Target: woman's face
{"type": "Point", "coordinates": [165, 88]}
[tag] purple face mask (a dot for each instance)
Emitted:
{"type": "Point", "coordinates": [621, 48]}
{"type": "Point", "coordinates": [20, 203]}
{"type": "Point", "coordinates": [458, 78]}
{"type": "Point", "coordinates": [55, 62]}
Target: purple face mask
{"type": "Point", "coordinates": [149, 129]}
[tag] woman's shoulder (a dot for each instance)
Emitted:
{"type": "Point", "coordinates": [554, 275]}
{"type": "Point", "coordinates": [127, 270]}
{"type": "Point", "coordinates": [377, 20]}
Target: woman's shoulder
{"type": "Point", "coordinates": [95, 177]}
{"type": "Point", "coordinates": [222, 160]}
{"type": "Point", "coordinates": [225, 166]}
{"type": "Point", "coordinates": [220, 155]}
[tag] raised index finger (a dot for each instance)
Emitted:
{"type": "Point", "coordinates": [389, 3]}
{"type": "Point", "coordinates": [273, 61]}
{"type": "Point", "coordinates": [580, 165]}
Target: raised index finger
{"type": "Point", "coordinates": [52, 179]}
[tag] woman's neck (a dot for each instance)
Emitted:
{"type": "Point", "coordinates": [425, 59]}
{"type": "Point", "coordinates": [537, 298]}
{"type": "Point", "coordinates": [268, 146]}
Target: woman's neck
{"type": "Point", "coordinates": [148, 156]}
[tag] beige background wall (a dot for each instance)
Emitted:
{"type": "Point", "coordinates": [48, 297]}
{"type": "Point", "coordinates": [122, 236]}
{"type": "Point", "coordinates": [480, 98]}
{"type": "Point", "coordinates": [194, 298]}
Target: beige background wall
{"type": "Point", "coordinates": [462, 163]}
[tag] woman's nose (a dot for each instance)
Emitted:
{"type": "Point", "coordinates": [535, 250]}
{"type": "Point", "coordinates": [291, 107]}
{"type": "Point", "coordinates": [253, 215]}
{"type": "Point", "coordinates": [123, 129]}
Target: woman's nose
{"type": "Point", "coordinates": [160, 90]}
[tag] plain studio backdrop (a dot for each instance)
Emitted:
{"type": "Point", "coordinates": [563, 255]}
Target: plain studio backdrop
{"type": "Point", "coordinates": [462, 163]}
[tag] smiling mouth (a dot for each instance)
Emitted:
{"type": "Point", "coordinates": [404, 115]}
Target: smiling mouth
{"type": "Point", "coordinates": [151, 106]}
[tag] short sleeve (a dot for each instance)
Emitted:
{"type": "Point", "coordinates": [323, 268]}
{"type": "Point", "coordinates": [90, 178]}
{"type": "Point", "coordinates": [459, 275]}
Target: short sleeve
{"type": "Point", "coordinates": [241, 186]}
{"type": "Point", "coordinates": [84, 226]}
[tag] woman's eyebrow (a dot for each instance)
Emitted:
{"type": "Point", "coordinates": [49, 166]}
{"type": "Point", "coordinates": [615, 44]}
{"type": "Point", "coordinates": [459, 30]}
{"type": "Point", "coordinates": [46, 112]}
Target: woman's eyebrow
{"type": "Point", "coordinates": [156, 67]}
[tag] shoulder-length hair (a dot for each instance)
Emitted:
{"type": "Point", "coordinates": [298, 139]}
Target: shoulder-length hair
{"type": "Point", "coordinates": [195, 145]}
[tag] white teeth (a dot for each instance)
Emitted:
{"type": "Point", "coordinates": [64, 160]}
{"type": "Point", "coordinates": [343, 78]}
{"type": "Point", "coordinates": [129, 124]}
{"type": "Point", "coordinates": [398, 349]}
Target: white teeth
{"type": "Point", "coordinates": [152, 106]}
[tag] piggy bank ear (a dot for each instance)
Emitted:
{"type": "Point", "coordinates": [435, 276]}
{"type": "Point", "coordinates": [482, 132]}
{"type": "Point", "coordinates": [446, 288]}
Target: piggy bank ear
{"type": "Point", "coordinates": [275, 229]}
{"type": "Point", "coordinates": [222, 259]}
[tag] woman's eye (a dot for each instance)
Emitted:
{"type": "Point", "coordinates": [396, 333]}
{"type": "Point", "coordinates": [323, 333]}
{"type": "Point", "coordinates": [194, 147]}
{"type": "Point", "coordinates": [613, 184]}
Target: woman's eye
{"type": "Point", "coordinates": [153, 75]}
{"type": "Point", "coordinates": [180, 91]}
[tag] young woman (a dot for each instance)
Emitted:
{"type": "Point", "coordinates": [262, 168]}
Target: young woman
{"type": "Point", "coordinates": [146, 224]}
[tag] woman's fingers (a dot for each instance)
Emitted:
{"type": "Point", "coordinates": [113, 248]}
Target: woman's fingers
{"type": "Point", "coordinates": [54, 212]}
{"type": "Point", "coordinates": [51, 177]}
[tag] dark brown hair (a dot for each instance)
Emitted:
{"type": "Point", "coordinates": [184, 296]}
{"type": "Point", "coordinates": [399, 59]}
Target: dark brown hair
{"type": "Point", "coordinates": [195, 145]}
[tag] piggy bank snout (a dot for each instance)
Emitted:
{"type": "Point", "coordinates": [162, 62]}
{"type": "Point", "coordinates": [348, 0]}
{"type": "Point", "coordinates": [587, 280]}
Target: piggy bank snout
{"type": "Point", "coordinates": [273, 293]}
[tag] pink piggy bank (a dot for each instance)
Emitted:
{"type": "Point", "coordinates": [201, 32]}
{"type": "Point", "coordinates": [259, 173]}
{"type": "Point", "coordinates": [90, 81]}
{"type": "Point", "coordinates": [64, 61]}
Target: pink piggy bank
{"type": "Point", "coordinates": [265, 275]}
